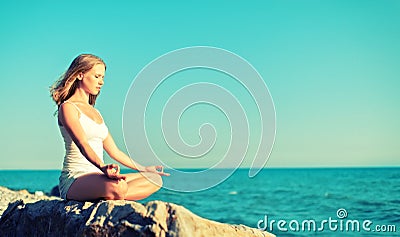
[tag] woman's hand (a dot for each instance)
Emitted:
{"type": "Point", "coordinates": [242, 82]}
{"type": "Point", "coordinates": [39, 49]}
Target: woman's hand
{"type": "Point", "coordinates": [158, 169]}
{"type": "Point", "coordinates": [112, 171]}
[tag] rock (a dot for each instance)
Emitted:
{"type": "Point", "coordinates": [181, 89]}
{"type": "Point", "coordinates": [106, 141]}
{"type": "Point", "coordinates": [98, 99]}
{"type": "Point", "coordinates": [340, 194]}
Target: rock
{"type": "Point", "coordinates": [39, 193]}
{"type": "Point", "coordinates": [7, 196]}
{"type": "Point", "coordinates": [111, 218]}
{"type": "Point", "coordinates": [55, 191]}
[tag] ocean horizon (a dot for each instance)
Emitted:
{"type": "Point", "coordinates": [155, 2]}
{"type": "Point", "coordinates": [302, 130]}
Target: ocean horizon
{"type": "Point", "coordinates": [306, 201]}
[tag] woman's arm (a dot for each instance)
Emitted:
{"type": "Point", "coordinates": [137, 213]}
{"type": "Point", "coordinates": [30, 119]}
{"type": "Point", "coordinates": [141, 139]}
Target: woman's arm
{"type": "Point", "coordinates": [69, 118]}
{"type": "Point", "coordinates": [115, 153]}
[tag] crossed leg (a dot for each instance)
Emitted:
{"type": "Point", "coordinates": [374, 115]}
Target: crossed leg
{"type": "Point", "coordinates": [95, 185]}
{"type": "Point", "coordinates": [142, 185]}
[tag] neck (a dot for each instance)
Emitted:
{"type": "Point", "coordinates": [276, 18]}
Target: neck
{"type": "Point", "coordinates": [80, 95]}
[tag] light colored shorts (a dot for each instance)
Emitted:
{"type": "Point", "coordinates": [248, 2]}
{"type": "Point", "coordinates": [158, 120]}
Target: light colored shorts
{"type": "Point", "coordinates": [66, 179]}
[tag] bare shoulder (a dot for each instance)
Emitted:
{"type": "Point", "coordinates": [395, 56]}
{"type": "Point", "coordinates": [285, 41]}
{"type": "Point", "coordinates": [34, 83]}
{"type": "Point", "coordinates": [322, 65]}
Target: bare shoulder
{"type": "Point", "coordinates": [67, 111]}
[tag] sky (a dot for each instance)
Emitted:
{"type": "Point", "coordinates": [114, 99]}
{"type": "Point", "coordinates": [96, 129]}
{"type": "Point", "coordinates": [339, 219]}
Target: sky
{"type": "Point", "coordinates": [332, 69]}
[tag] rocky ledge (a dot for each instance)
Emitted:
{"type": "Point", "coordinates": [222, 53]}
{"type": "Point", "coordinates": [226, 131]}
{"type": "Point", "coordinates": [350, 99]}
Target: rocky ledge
{"type": "Point", "coordinates": [55, 217]}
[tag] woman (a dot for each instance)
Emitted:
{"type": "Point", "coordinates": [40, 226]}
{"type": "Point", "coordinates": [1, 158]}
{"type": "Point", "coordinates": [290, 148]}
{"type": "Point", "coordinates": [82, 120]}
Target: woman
{"type": "Point", "coordinates": [84, 175]}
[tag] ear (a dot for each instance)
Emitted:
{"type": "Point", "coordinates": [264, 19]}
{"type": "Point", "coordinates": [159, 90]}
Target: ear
{"type": "Point", "coordinates": [80, 76]}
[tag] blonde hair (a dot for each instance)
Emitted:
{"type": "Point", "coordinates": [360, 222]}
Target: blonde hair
{"type": "Point", "coordinates": [66, 85]}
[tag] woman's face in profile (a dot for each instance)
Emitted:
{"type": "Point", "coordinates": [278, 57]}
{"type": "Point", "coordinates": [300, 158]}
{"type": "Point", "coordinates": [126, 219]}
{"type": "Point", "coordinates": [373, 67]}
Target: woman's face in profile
{"type": "Point", "coordinates": [93, 80]}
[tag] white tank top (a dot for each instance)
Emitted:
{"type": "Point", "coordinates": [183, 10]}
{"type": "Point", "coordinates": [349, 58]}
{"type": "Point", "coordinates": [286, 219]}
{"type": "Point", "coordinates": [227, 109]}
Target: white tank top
{"type": "Point", "coordinates": [95, 134]}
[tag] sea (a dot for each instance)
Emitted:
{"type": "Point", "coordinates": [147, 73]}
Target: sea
{"type": "Point", "coordinates": [283, 201]}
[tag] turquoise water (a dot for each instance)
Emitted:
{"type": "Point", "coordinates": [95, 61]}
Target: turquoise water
{"type": "Point", "coordinates": [286, 195]}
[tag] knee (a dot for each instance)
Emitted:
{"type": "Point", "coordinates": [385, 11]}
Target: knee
{"type": "Point", "coordinates": [117, 190]}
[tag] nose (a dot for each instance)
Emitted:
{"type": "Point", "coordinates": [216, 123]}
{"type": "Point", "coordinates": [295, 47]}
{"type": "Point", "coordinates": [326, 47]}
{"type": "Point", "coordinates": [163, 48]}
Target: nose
{"type": "Point", "coordinates": [101, 82]}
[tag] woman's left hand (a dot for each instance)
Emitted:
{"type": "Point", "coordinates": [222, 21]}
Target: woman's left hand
{"type": "Point", "coordinates": [158, 169]}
